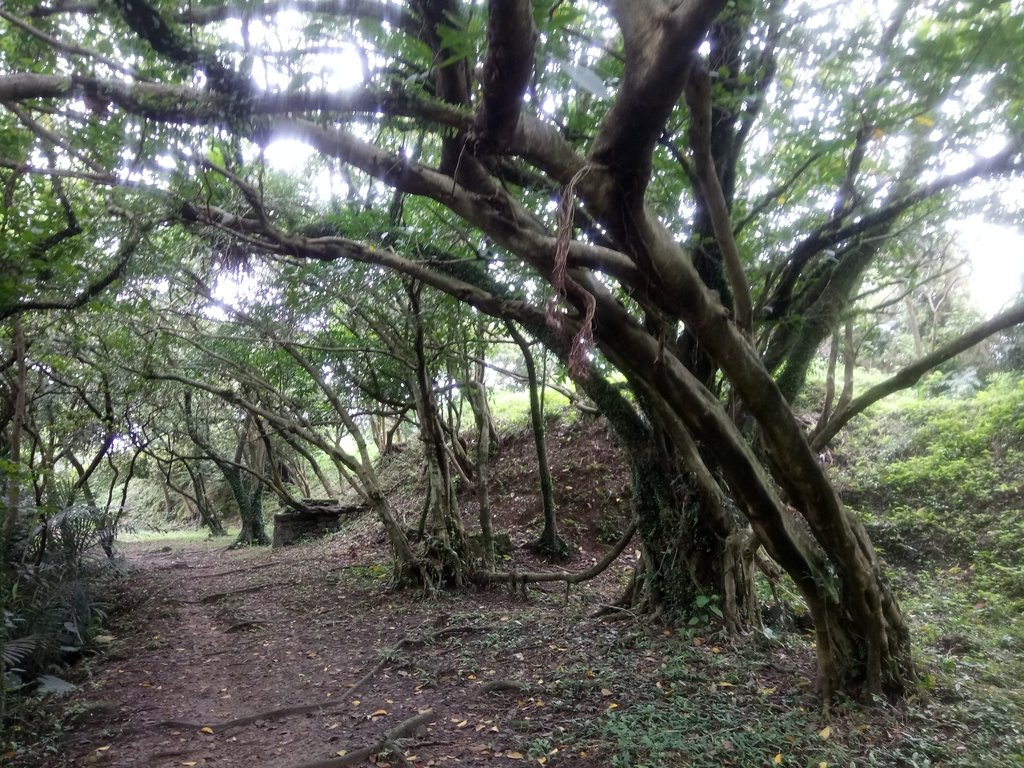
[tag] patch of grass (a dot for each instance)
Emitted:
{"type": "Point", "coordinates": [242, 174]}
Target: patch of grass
{"type": "Point", "coordinates": [709, 706]}
{"type": "Point", "coordinates": [177, 538]}
{"type": "Point", "coordinates": [511, 407]}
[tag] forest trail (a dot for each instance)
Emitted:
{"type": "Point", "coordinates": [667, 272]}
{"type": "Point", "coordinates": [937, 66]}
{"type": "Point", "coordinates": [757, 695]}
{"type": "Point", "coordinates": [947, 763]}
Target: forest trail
{"type": "Point", "coordinates": [300, 657]}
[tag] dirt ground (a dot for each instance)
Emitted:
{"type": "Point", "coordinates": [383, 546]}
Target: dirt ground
{"type": "Point", "coordinates": [300, 657]}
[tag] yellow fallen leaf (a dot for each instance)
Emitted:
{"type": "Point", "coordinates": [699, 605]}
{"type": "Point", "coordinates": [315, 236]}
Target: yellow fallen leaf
{"type": "Point", "coordinates": [825, 732]}
{"type": "Point", "coordinates": [514, 755]}
{"type": "Point", "coordinates": [206, 729]}
{"type": "Point", "coordinates": [341, 752]}
{"type": "Point", "coordinates": [379, 713]}
{"type": "Point", "coordinates": [726, 685]}
{"type": "Point", "coordinates": [613, 705]}
{"type": "Point", "coordinates": [462, 724]}
{"type": "Point", "coordinates": [189, 762]}
{"type": "Point", "coordinates": [103, 749]}
{"type": "Point", "coordinates": [778, 759]}
{"type": "Point", "coordinates": [822, 764]}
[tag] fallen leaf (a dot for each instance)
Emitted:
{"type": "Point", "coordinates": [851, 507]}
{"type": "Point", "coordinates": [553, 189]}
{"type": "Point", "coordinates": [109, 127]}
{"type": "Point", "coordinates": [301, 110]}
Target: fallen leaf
{"type": "Point", "coordinates": [189, 762]}
{"type": "Point", "coordinates": [778, 759]}
{"type": "Point", "coordinates": [726, 685]}
{"type": "Point", "coordinates": [514, 755]}
{"type": "Point", "coordinates": [206, 729]}
{"type": "Point", "coordinates": [462, 724]}
{"type": "Point", "coordinates": [825, 732]}
{"type": "Point", "coordinates": [341, 752]}
{"type": "Point", "coordinates": [379, 713]}
{"type": "Point", "coordinates": [103, 749]}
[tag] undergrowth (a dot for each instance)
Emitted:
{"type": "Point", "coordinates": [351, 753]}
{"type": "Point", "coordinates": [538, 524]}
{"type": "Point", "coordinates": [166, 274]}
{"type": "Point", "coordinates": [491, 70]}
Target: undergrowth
{"type": "Point", "coordinates": [935, 472]}
{"type": "Point", "coordinates": [52, 578]}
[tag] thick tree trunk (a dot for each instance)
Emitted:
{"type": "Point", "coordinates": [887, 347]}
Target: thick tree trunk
{"type": "Point", "coordinates": [862, 635]}
{"type": "Point", "coordinates": [248, 494]}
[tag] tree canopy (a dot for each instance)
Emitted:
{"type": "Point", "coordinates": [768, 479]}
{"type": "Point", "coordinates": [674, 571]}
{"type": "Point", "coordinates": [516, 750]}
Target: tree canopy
{"type": "Point", "coordinates": [690, 197]}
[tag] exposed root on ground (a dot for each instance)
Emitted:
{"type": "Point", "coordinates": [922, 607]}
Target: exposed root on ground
{"type": "Point", "coordinates": [520, 580]}
{"type": "Point", "coordinates": [386, 741]}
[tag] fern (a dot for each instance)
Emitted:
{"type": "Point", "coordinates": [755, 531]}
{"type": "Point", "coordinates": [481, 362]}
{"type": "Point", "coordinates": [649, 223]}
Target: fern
{"type": "Point", "coordinates": [19, 650]}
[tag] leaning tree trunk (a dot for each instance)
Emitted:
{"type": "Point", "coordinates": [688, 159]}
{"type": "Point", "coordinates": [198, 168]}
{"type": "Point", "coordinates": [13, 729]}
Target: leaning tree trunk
{"type": "Point", "coordinates": [206, 513]}
{"type": "Point", "coordinates": [862, 636]}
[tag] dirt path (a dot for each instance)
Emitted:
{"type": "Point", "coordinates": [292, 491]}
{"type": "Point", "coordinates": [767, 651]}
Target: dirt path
{"type": "Point", "coordinates": [291, 657]}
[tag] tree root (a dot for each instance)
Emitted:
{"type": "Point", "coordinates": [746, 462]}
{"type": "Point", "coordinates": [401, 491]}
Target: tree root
{"type": "Point", "coordinates": [272, 714]}
{"type": "Point", "coordinates": [214, 597]}
{"type": "Point", "coordinates": [238, 570]}
{"type": "Point", "coordinates": [503, 686]}
{"type": "Point", "coordinates": [522, 579]}
{"type": "Point", "coordinates": [387, 740]}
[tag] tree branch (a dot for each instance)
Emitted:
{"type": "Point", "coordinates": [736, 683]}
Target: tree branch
{"type": "Point", "coordinates": [698, 97]}
{"type": "Point", "coordinates": [507, 69]}
{"type": "Point", "coordinates": [913, 373]}
{"type": "Point", "coordinates": [91, 291]}
{"type": "Point", "coordinates": [659, 54]}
